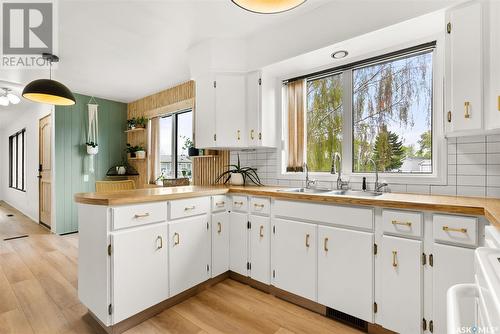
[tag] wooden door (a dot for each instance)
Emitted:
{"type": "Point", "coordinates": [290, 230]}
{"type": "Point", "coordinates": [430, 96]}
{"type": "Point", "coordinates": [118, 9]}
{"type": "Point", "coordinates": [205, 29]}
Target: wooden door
{"type": "Point", "coordinates": [401, 285]}
{"type": "Point", "coordinates": [45, 169]}
{"type": "Point", "coordinates": [294, 257]}
{"type": "Point", "coordinates": [139, 269]}
{"type": "Point", "coordinates": [345, 271]}
{"type": "Point", "coordinates": [260, 249]}
{"type": "Point", "coordinates": [220, 243]}
{"type": "Point", "coordinates": [189, 253]}
{"type": "Point", "coordinates": [238, 243]}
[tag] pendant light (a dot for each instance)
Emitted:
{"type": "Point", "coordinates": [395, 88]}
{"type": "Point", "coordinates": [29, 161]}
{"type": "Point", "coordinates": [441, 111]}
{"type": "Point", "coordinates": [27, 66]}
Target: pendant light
{"type": "Point", "coordinates": [268, 6]}
{"type": "Point", "coordinates": [7, 97]}
{"type": "Point", "coordinates": [47, 90]}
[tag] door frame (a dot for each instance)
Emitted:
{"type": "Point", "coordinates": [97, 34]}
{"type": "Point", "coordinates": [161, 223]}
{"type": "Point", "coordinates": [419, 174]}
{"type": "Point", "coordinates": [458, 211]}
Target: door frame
{"type": "Point", "coordinates": [51, 122]}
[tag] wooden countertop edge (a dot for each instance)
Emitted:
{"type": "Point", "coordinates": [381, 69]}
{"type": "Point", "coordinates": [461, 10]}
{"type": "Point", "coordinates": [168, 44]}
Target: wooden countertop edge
{"type": "Point", "coordinates": [490, 212]}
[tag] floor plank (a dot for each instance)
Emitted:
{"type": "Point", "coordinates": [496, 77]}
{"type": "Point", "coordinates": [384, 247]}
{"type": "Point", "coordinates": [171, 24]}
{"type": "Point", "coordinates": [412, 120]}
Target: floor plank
{"type": "Point", "coordinates": [14, 322]}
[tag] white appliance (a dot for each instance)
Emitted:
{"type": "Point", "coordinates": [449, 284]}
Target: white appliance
{"type": "Point", "coordinates": [485, 291]}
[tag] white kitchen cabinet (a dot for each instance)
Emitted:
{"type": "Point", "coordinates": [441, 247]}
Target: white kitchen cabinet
{"type": "Point", "coordinates": [294, 257]}
{"type": "Point", "coordinates": [464, 70]}
{"type": "Point", "coordinates": [452, 265]}
{"type": "Point", "coordinates": [253, 99]}
{"type": "Point", "coordinates": [346, 270]}
{"type": "Point", "coordinates": [220, 243]}
{"type": "Point", "coordinates": [189, 252]}
{"type": "Point", "coordinates": [139, 269]}
{"type": "Point", "coordinates": [205, 115]}
{"type": "Point", "coordinates": [492, 93]}
{"type": "Point", "coordinates": [238, 243]}
{"type": "Point", "coordinates": [400, 303]}
{"type": "Point", "coordinates": [260, 248]}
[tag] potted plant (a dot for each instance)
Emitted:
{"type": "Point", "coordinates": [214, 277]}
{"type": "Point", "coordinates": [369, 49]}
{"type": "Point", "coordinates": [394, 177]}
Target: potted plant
{"type": "Point", "coordinates": [141, 122]}
{"type": "Point", "coordinates": [189, 146]}
{"type": "Point", "coordinates": [92, 148]}
{"type": "Point", "coordinates": [140, 152]}
{"type": "Point", "coordinates": [131, 123]}
{"type": "Point", "coordinates": [238, 175]}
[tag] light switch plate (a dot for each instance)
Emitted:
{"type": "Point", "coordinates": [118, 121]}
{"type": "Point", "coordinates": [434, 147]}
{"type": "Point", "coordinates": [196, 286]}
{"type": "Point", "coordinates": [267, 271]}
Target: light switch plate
{"type": "Point", "coordinates": [85, 178]}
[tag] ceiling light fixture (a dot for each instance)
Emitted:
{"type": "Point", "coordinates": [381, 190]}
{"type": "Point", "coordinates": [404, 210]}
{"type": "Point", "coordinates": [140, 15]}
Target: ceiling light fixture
{"type": "Point", "coordinates": [48, 90]}
{"type": "Point", "coordinates": [268, 6]}
{"type": "Point", "coordinates": [7, 97]}
{"type": "Point", "coordinates": [340, 54]}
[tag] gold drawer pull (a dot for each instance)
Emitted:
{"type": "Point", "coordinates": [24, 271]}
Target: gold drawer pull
{"type": "Point", "coordinates": [239, 134]}
{"type": "Point", "coordinates": [251, 134]}
{"type": "Point", "coordinates": [397, 222]}
{"type": "Point", "coordinates": [159, 238]}
{"type": "Point", "coordinates": [238, 203]}
{"type": "Point", "coordinates": [451, 229]}
{"type": "Point", "coordinates": [261, 231]}
{"type": "Point", "coordinates": [219, 204]}
{"type": "Point", "coordinates": [219, 227]}
{"type": "Point", "coordinates": [176, 238]}
{"type": "Point", "coordinates": [143, 215]}
{"type": "Point", "coordinates": [466, 109]}
{"type": "Point", "coordinates": [259, 205]}
{"type": "Point", "coordinates": [307, 240]}
{"type": "Point", "coordinates": [394, 259]}
{"type": "Point", "coordinates": [189, 208]}
{"type": "Point", "coordinates": [325, 245]}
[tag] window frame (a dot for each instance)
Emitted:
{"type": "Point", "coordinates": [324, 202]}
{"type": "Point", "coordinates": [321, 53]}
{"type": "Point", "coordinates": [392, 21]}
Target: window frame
{"type": "Point", "coordinates": [21, 133]}
{"type": "Point", "coordinates": [439, 147]}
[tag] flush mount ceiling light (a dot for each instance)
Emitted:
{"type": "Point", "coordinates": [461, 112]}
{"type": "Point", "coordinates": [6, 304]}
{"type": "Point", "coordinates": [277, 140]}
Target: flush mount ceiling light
{"type": "Point", "coordinates": [268, 6]}
{"type": "Point", "coordinates": [6, 97]}
{"type": "Point", "coordinates": [48, 90]}
{"type": "Point", "coordinates": [340, 54]}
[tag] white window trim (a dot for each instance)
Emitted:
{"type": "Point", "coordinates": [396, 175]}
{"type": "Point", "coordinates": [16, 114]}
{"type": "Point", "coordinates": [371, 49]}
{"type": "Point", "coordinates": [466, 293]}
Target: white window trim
{"type": "Point", "coordinates": [439, 144]}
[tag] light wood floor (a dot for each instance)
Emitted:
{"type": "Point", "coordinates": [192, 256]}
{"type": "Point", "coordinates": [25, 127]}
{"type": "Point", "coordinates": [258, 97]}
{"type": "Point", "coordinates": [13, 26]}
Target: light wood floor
{"type": "Point", "coordinates": [38, 294]}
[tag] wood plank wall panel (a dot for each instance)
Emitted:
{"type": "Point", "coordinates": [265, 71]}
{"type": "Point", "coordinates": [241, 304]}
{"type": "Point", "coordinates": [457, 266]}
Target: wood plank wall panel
{"type": "Point", "coordinates": [180, 97]}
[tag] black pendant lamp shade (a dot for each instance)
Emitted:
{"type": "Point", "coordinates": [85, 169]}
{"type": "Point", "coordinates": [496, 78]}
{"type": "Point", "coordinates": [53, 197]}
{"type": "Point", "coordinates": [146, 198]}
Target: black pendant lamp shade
{"type": "Point", "coordinates": [47, 90]}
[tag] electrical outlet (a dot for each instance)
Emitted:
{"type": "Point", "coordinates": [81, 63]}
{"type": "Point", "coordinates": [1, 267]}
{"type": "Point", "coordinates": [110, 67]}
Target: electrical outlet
{"type": "Point", "coordinates": [85, 178]}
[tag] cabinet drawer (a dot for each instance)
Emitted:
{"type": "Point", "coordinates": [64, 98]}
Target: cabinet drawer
{"type": "Point", "coordinates": [189, 207]}
{"type": "Point", "coordinates": [134, 215]}
{"type": "Point", "coordinates": [239, 203]}
{"type": "Point", "coordinates": [219, 203]}
{"type": "Point", "coordinates": [406, 223]}
{"type": "Point", "coordinates": [455, 229]}
{"type": "Point", "coordinates": [260, 205]}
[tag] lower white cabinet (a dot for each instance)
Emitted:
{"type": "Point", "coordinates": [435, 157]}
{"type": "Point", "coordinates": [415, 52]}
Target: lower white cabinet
{"type": "Point", "coordinates": [220, 243]}
{"type": "Point", "coordinates": [189, 252]}
{"type": "Point", "coordinates": [260, 248]}
{"type": "Point", "coordinates": [238, 243]}
{"type": "Point", "coordinates": [294, 256]}
{"type": "Point", "coordinates": [139, 269]}
{"type": "Point", "coordinates": [400, 303]}
{"type": "Point", "coordinates": [345, 271]}
{"type": "Point", "coordinates": [452, 265]}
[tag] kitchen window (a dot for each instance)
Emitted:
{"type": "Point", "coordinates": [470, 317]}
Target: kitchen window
{"type": "Point", "coordinates": [17, 159]}
{"type": "Point", "coordinates": [379, 110]}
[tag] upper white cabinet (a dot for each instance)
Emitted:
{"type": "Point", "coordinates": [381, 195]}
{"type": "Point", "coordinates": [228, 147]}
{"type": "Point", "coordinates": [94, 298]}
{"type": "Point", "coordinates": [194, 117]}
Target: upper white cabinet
{"type": "Point", "coordinates": [204, 114]}
{"type": "Point", "coordinates": [464, 70]}
{"type": "Point", "coordinates": [492, 70]}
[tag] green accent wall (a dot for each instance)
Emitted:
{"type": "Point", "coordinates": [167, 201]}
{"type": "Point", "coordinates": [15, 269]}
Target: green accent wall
{"type": "Point", "coordinates": [72, 160]}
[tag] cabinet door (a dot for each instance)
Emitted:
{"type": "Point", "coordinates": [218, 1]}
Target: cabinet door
{"type": "Point", "coordinates": [452, 265]}
{"type": "Point", "coordinates": [220, 243]}
{"type": "Point", "coordinates": [294, 257]}
{"type": "Point", "coordinates": [345, 271]}
{"type": "Point", "coordinates": [493, 107]}
{"type": "Point", "coordinates": [189, 252]}
{"type": "Point", "coordinates": [205, 116]}
{"type": "Point", "coordinates": [238, 243]}
{"type": "Point", "coordinates": [401, 285]}
{"type": "Point", "coordinates": [465, 67]}
{"type": "Point", "coordinates": [260, 248]}
{"type": "Point", "coordinates": [139, 267]}
{"type": "Point", "coordinates": [230, 106]}
{"type": "Point", "coordinates": [253, 108]}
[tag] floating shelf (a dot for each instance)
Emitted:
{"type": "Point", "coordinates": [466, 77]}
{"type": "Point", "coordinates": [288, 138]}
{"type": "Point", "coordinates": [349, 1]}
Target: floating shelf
{"type": "Point", "coordinates": [205, 156]}
{"type": "Point", "coordinates": [135, 130]}
{"type": "Point", "coordinates": [137, 158]}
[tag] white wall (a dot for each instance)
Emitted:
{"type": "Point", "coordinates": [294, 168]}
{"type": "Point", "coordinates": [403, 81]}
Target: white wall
{"type": "Point", "coordinates": [27, 117]}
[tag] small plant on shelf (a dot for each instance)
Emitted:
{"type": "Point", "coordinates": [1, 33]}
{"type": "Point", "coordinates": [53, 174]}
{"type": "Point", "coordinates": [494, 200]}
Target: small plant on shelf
{"type": "Point", "coordinates": [189, 147]}
{"type": "Point", "coordinates": [136, 151]}
{"type": "Point", "coordinates": [238, 175]}
{"type": "Point", "coordinates": [140, 122]}
{"type": "Point", "coordinates": [131, 123]}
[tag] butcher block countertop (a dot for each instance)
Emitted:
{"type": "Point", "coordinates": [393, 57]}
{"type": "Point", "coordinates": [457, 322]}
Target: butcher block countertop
{"type": "Point", "coordinates": [477, 206]}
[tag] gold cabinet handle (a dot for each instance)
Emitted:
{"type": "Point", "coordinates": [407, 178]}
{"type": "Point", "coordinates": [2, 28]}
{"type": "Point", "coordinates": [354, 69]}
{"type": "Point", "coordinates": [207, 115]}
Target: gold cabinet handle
{"type": "Point", "coordinates": [189, 208]}
{"type": "Point", "coordinates": [467, 109]}
{"type": "Point", "coordinates": [142, 215]}
{"type": "Point", "coordinates": [261, 231]}
{"type": "Point", "coordinates": [160, 239]}
{"type": "Point", "coordinates": [307, 240]}
{"type": "Point", "coordinates": [451, 229]}
{"type": "Point", "coordinates": [238, 203]}
{"type": "Point", "coordinates": [219, 227]}
{"type": "Point", "coordinates": [239, 134]}
{"type": "Point", "coordinates": [261, 206]}
{"type": "Point", "coordinates": [394, 259]}
{"type": "Point", "coordinates": [325, 244]}
{"type": "Point", "coordinates": [251, 134]}
{"type": "Point", "coordinates": [176, 238]}
{"type": "Point", "coordinates": [219, 204]}
{"type": "Point", "coordinates": [397, 222]}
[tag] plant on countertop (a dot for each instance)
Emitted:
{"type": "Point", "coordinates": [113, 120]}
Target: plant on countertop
{"type": "Point", "coordinates": [245, 172]}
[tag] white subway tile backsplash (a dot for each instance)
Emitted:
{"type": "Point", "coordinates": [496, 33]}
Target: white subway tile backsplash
{"type": "Point", "coordinates": [493, 192]}
{"type": "Point", "coordinates": [471, 148]}
{"type": "Point", "coordinates": [471, 169]}
{"type": "Point", "coordinates": [493, 181]}
{"type": "Point", "coordinates": [471, 191]}
{"type": "Point", "coordinates": [493, 138]}
{"type": "Point", "coordinates": [471, 139]}
{"type": "Point", "coordinates": [444, 190]}
{"type": "Point", "coordinates": [493, 158]}
{"type": "Point", "coordinates": [418, 189]}
{"type": "Point", "coordinates": [471, 159]}
{"type": "Point", "coordinates": [452, 148]}
{"type": "Point", "coordinates": [493, 147]}
{"type": "Point", "coordinates": [471, 180]}
{"type": "Point", "coordinates": [493, 170]}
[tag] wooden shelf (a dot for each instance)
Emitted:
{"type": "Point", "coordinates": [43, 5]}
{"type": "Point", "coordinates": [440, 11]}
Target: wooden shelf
{"type": "Point", "coordinates": [135, 130]}
{"type": "Point", "coordinates": [137, 158]}
{"type": "Point", "coordinates": [205, 156]}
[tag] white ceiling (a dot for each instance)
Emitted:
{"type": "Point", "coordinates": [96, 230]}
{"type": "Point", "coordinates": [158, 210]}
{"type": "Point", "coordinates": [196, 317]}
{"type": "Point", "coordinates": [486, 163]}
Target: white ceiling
{"type": "Point", "coordinates": [124, 50]}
